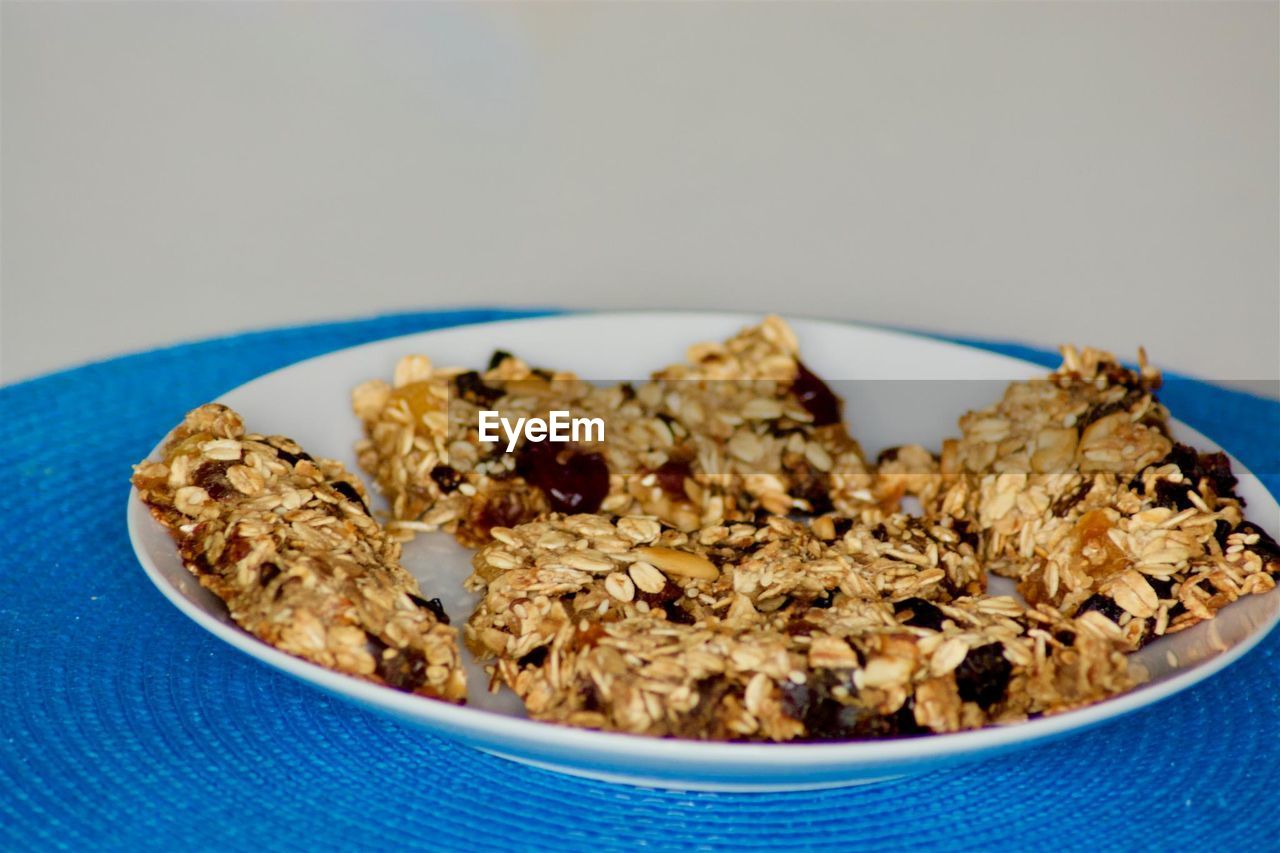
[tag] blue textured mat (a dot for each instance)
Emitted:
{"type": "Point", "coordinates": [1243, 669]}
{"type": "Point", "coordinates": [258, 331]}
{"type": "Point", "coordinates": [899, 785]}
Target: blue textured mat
{"type": "Point", "coordinates": [122, 724]}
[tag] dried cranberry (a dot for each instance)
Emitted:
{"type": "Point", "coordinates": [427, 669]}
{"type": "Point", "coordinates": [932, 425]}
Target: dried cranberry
{"type": "Point", "coordinates": [983, 675]}
{"type": "Point", "coordinates": [817, 399]}
{"type": "Point", "coordinates": [574, 481]}
{"type": "Point", "coordinates": [446, 478]}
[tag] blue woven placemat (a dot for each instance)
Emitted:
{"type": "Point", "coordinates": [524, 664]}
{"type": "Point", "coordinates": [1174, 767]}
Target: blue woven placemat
{"type": "Point", "coordinates": [124, 725]}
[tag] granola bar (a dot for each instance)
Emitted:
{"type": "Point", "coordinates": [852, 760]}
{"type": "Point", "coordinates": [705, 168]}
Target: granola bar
{"type": "Point", "coordinates": [1078, 491]}
{"type": "Point", "coordinates": [771, 631]}
{"type": "Point", "coordinates": [742, 426]}
{"type": "Point", "coordinates": [288, 543]}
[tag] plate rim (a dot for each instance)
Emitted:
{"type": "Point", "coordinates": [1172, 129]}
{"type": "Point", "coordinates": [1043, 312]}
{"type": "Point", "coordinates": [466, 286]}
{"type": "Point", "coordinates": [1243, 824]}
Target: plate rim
{"type": "Point", "coordinates": [482, 726]}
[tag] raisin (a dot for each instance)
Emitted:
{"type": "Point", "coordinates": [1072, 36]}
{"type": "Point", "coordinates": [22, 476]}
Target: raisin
{"type": "Point", "coordinates": [983, 675]}
{"type": "Point", "coordinates": [825, 602]}
{"type": "Point", "coordinates": [889, 454]}
{"type": "Point", "coordinates": [435, 606]}
{"type": "Point", "coordinates": [1185, 458]}
{"type": "Point", "coordinates": [628, 391]}
{"type": "Point", "coordinates": [964, 530]}
{"type": "Point", "coordinates": [267, 573]}
{"type": "Point", "coordinates": [813, 487]}
{"type": "Point", "coordinates": [212, 477]}
{"type": "Point", "coordinates": [825, 718]}
{"type": "Point", "coordinates": [291, 458]}
{"type": "Point", "coordinates": [535, 657]}
{"type": "Point", "coordinates": [1221, 530]}
{"type": "Point", "coordinates": [446, 478]}
{"type": "Point", "coordinates": [1174, 496]}
{"type": "Point", "coordinates": [677, 614]}
{"type": "Point", "coordinates": [1162, 586]}
{"type": "Point", "coordinates": [879, 533]}
{"type": "Point", "coordinates": [499, 356]}
{"type": "Point", "coordinates": [574, 481]}
{"type": "Point", "coordinates": [472, 389]}
{"type": "Point", "coordinates": [1066, 503]}
{"type": "Point", "coordinates": [349, 492]}
{"type": "Point", "coordinates": [842, 525]}
{"type": "Point", "coordinates": [405, 670]}
{"type": "Point", "coordinates": [817, 399]}
{"type": "Point", "coordinates": [1067, 638]}
{"type": "Point", "coordinates": [1098, 412]}
{"type": "Point", "coordinates": [1103, 605]}
{"type": "Point", "coordinates": [1266, 547]}
{"type": "Point", "coordinates": [671, 476]}
{"type": "Point", "coordinates": [920, 613]}
{"type": "Point", "coordinates": [1216, 468]}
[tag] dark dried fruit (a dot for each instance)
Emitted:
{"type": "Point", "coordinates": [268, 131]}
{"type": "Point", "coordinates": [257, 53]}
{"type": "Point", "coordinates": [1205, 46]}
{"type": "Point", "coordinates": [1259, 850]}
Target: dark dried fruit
{"type": "Point", "coordinates": [472, 389]}
{"type": "Point", "coordinates": [677, 614]}
{"type": "Point", "coordinates": [1067, 638]}
{"type": "Point", "coordinates": [1175, 496]}
{"type": "Point", "coordinates": [1221, 530]}
{"type": "Point", "coordinates": [1162, 586]}
{"type": "Point", "coordinates": [290, 457]}
{"type": "Point", "coordinates": [499, 356]}
{"type": "Point", "coordinates": [267, 573]}
{"type": "Point", "coordinates": [964, 530]}
{"type": "Point", "coordinates": [435, 606]}
{"type": "Point", "coordinates": [817, 399]}
{"type": "Point", "coordinates": [671, 476]}
{"type": "Point", "coordinates": [826, 718]}
{"type": "Point", "coordinates": [983, 675]}
{"type": "Point", "coordinates": [1066, 503]}
{"type": "Point", "coordinates": [446, 478]}
{"type": "Point", "coordinates": [349, 492]}
{"type": "Point", "coordinates": [842, 525]}
{"type": "Point", "coordinates": [212, 477]}
{"type": "Point", "coordinates": [1265, 547]}
{"type": "Point", "coordinates": [534, 657]}
{"type": "Point", "coordinates": [574, 481]}
{"type": "Point", "coordinates": [889, 454]}
{"type": "Point", "coordinates": [919, 613]}
{"type": "Point", "coordinates": [405, 670]}
{"type": "Point", "coordinates": [1103, 605]}
{"type": "Point", "coordinates": [1097, 413]}
{"type": "Point", "coordinates": [825, 602]}
{"type": "Point", "coordinates": [812, 486]}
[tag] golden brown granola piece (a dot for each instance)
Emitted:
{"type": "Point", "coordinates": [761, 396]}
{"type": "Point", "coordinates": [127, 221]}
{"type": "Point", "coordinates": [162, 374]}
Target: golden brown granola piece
{"type": "Point", "coordinates": [288, 543]}
{"type": "Point", "coordinates": [769, 631]}
{"type": "Point", "coordinates": [742, 426]}
{"type": "Point", "coordinates": [1079, 492]}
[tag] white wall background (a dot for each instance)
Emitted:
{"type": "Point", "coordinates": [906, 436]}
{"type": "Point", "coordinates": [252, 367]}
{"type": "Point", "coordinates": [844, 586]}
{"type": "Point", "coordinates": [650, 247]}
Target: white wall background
{"type": "Point", "coordinates": [1103, 173]}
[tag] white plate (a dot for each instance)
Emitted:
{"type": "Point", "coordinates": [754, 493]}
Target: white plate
{"type": "Point", "coordinates": [309, 402]}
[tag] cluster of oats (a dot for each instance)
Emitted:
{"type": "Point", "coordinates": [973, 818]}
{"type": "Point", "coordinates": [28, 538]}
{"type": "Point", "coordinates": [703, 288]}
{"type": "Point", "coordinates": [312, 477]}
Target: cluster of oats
{"type": "Point", "coordinates": [287, 542]}
{"type": "Point", "coordinates": [741, 427]}
{"type": "Point", "coordinates": [774, 630]}
{"type": "Point", "coordinates": [1076, 489]}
